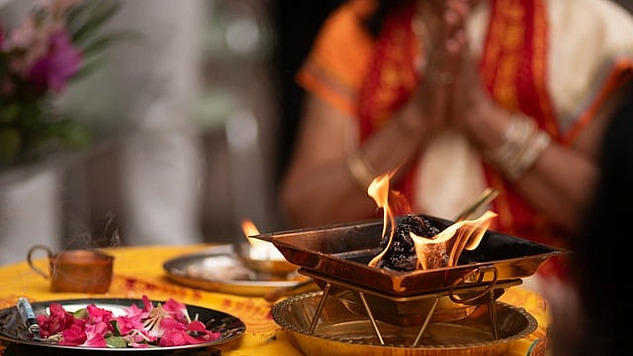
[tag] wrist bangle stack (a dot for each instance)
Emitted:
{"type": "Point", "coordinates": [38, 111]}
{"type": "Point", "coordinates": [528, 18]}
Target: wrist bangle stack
{"type": "Point", "coordinates": [360, 172]}
{"type": "Point", "coordinates": [523, 144]}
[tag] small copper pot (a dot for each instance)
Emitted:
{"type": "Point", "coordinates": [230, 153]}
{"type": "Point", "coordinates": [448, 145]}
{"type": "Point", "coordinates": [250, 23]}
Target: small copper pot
{"type": "Point", "coordinates": [81, 271]}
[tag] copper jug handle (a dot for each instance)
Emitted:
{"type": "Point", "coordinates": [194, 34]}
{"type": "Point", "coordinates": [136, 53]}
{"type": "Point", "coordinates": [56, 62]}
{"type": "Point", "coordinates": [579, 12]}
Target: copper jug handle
{"type": "Point", "coordinates": [29, 258]}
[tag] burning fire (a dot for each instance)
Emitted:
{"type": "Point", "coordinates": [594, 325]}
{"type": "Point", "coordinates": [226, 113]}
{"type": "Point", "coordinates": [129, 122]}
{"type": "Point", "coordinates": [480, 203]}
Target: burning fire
{"type": "Point", "coordinates": [259, 249]}
{"type": "Point", "coordinates": [430, 252]}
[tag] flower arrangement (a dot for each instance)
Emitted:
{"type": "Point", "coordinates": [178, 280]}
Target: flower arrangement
{"type": "Point", "coordinates": [163, 325]}
{"type": "Point", "coordinates": [59, 41]}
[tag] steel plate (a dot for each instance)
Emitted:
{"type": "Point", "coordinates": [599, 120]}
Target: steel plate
{"type": "Point", "coordinates": [220, 269]}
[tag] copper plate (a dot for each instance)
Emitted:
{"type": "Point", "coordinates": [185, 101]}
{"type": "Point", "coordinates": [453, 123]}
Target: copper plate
{"type": "Point", "coordinates": [343, 333]}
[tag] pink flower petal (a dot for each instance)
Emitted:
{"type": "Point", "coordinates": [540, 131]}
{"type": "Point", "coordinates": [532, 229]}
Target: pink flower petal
{"type": "Point", "coordinates": [128, 324]}
{"type": "Point", "coordinates": [174, 337]}
{"type": "Point", "coordinates": [95, 334]}
{"type": "Point", "coordinates": [55, 68]}
{"type": "Point", "coordinates": [147, 303]}
{"type": "Point", "coordinates": [197, 326]}
{"type": "Point", "coordinates": [96, 314]}
{"type": "Point", "coordinates": [73, 336]}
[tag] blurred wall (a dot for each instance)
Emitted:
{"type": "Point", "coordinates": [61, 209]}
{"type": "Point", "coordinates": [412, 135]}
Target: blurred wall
{"type": "Point", "coordinates": [194, 123]}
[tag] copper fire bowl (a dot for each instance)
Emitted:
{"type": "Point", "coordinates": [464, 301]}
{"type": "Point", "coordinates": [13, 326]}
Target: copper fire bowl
{"type": "Point", "coordinates": [342, 251]}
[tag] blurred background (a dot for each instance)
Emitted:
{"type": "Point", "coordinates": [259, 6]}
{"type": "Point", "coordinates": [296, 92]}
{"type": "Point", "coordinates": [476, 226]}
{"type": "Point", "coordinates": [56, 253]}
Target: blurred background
{"type": "Point", "coordinates": [193, 124]}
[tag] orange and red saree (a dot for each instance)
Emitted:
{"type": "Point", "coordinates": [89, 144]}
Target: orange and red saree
{"type": "Point", "coordinates": [370, 79]}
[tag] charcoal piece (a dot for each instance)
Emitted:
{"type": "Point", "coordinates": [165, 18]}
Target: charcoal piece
{"type": "Point", "coordinates": [401, 255]}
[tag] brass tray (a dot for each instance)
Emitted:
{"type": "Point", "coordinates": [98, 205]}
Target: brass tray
{"type": "Point", "coordinates": [343, 333]}
{"type": "Point", "coordinates": [220, 269]}
{"type": "Point", "coordinates": [343, 251]}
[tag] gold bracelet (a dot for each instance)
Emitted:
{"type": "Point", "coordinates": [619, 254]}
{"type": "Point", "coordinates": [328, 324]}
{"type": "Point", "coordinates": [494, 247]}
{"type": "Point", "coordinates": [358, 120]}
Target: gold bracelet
{"type": "Point", "coordinates": [360, 172]}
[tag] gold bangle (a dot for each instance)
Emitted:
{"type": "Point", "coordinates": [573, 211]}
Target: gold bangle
{"type": "Point", "coordinates": [360, 172]}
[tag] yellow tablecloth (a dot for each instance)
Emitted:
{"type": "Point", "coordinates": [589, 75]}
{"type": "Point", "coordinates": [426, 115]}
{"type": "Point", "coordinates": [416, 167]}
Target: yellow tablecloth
{"type": "Point", "coordinates": [139, 271]}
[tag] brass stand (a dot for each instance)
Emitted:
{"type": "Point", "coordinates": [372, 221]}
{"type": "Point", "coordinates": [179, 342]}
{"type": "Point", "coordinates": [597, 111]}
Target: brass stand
{"type": "Point", "coordinates": [486, 293]}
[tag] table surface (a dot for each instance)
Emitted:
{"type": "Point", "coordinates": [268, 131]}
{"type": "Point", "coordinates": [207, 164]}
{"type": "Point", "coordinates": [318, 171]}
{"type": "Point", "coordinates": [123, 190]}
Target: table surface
{"type": "Point", "coordinates": [139, 271]}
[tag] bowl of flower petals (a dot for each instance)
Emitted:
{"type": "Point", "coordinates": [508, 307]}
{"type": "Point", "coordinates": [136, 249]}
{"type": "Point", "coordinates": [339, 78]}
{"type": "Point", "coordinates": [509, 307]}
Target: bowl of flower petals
{"type": "Point", "coordinates": [117, 325]}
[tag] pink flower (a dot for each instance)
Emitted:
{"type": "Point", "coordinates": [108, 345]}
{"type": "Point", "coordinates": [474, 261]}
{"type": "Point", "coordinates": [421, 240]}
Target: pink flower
{"type": "Point", "coordinates": [148, 306]}
{"type": "Point", "coordinates": [23, 36]}
{"type": "Point", "coordinates": [199, 328]}
{"type": "Point", "coordinates": [58, 320]}
{"type": "Point", "coordinates": [73, 336]}
{"type": "Point", "coordinates": [127, 324]}
{"type": "Point", "coordinates": [166, 324]}
{"type": "Point", "coordinates": [183, 334]}
{"type": "Point", "coordinates": [176, 334]}
{"type": "Point", "coordinates": [175, 337]}
{"type": "Point", "coordinates": [58, 65]}
{"type": "Point", "coordinates": [154, 322]}
{"type": "Point", "coordinates": [95, 334]}
{"type": "Point", "coordinates": [176, 310]}
{"type": "Point", "coordinates": [98, 315]}
{"type": "Point", "coordinates": [138, 338]}
{"type": "Point", "coordinates": [134, 311]}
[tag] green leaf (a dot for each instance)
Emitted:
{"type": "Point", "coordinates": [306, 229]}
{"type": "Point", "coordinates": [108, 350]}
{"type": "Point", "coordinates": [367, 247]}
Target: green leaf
{"type": "Point", "coordinates": [81, 313]}
{"type": "Point", "coordinates": [10, 143]}
{"type": "Point", "coordinates": [71, 134]}
{"type": "Point", "coordinates": [100, 12]}
{"type": "Point", "coordinates": [9, 111]}
{"type": "Point", "coordinates": [88, 67]}
{"type": "Point", "coordinates": [115, 328]}
{"type": "Point", "coordinates": [116, 341]}
{"type": "Point", "coordinates": [102, 42]}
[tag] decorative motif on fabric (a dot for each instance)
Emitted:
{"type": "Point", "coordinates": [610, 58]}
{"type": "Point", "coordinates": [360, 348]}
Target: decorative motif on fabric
{"type": "Point", "coordinates": [392, 75]}
{"type": "Point", "coordinates": [513, 68]}
{"type": "Point", "coordinates": [391, 79]}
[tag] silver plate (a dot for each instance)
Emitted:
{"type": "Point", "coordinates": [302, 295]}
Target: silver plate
{"type": "Point", "coordinates": [219, 269]}
{"type": "Point", "coordinates": [12, 328]}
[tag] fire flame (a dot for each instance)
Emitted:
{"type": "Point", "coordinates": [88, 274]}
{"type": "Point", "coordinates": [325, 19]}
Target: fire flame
{"type": "Point", "coordinates": [260, 250]}
{"type": "Point", "coordinates": [379, 191]}
{"type": "Point", "coordinates": [441, 250]}
{"type": "Point", "coordinates": [464, 234]}
{"type": "Point", "coordinates": [249, 229]}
